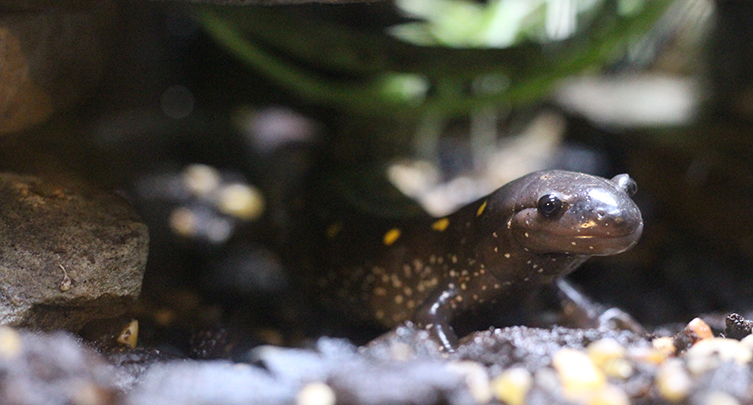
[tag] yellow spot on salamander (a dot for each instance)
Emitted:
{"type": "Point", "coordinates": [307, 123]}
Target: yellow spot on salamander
{"type": "Point", "coordinates": [481, 209]}
{"type": "Point", "coordinates": [334, 229]}
{"type": "Point", "coordinates": [391, 236]}
{"type": "Point", "coordinates": [441, 224]}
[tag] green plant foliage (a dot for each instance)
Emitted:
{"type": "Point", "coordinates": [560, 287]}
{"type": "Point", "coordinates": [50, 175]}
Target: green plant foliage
{"type": "Point", "coordinates": [382, 75]}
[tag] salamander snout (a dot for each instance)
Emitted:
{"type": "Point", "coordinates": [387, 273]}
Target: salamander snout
{"type": "Point", "coordinates": [580, 214]}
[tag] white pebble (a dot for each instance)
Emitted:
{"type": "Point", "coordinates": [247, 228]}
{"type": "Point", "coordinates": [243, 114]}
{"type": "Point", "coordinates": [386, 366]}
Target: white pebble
{"type": "Point", "coordinates": [672, 381]}
{"type": "Point", "coordinates": [709, 354]}
{"type": "Point", "coordinates": [316, 393]}
{"type": "Point", "coordinates": [476, 379]}
{"type": "Point", "coordinates": [719, 398]}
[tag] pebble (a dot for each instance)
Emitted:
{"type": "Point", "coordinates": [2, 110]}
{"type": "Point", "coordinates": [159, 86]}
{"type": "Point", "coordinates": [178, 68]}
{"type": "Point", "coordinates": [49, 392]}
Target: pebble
{"type": "Point", "coordinates": [672, 381]}
{"type": "Point", "coordinates": [201, 180]}
{"type": "Point", "coordinates": [316, 393]}
{"type": "Point", "coordinates": [609, 395]}
{"type": "Point", "coordinates": [10, 343]}
{"type": "Point", "coordinates": [242, 201]}
{"type": "Point", "coordinates": [512, 386]}
{"type": "Point", "coordinates": [719, 398]}
{"type": "Point", "coordinates": [579, 375]}
{"type": "Point", "coordinates": [52, 369]}
{"type": "Point", "coordinates": [708, 354]}
{"type": "Point", "coordinates": [647, 355]}
{"type": "Point", "coordinates": [747, 342]}
{"type": "Point", "coordinates": [476, 378]}
{"type": "Point", "coordinates": [129, 336]}
{"type": "Point", "coordinates": [609, 356]}
{"type": "Point", "coordinates": [701, 329]}
{"type": "Point", "coordinates": [666, 345]}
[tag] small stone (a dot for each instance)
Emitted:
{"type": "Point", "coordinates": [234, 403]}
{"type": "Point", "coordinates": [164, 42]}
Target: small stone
{"type": "Point", "coordinates": [609, 395]}
{"type": "Point", "coordinates": [737, 327]}
{"type": "Point", "coordinates": [609, 356]}
{"type": "Point", "coordinates": [316, 393]}
{"type": "Point", "coordinates": [201, 180]}
{"type": "Point", "coordinates": [719, 398]}
{"type": "Point", "coordinates": [647, 355]}
{"type": "Point", "coordinates": [512, 386]}
{"type": "Point", "coordinates": [666, 345]}
{"type": "Point", "coordinates": [747, 342]}
{"type": "Point", "coordinates": [709, 354]}
{"type": "Point", "coordinates": [53, 369]}
{"type": "Point", "coordinates": [579, 375]}
{"type": "Point", "coordinates": [475, 377]}
{"type": "Point", "coordinates": [672, 381]}
{"type": "Point", "coordinates": [242, 201]}
{"type": "Point", "coordinates": [10, 343]}
{"type": "Point", "coordinates": [701, 329]}
{"type": "Point", "coordinates": [129, 336]}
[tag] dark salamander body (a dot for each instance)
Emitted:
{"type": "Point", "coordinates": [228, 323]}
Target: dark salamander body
{"type": "Point", "coordinates": [526, 234]}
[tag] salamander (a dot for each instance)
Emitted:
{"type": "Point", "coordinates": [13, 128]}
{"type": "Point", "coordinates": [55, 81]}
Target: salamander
{"type": "Point", "coordinates": [509, 244]}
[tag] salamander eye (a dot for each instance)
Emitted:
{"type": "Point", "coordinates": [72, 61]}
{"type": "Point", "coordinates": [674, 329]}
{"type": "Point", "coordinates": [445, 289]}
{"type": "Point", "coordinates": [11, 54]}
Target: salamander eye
{"type": "Point", "coordinates": [549, 205]}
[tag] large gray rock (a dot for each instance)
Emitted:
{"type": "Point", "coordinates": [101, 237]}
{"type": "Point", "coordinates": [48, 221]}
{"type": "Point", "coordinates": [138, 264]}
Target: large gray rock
{"type": "Point", "coordinates": [66, 257]}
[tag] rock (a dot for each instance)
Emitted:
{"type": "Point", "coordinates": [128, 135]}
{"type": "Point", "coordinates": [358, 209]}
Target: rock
{"type": "Point", "coordinates": [52, 369]}
{"type": "Point", "coordinates": [66, 257]}
{"type": "Point", "coordinates": [209, 382]}
{"type": "Point", "coordinates": [49, 60]}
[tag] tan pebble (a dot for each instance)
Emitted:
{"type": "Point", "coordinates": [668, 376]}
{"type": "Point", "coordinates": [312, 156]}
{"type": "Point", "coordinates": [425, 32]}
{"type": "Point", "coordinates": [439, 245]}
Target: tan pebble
{"type": "Point", "coordinates": [579, 375]}
{"type": "Point", "coordinates": [647, 355]}
{"type": "Point", "coordinates": [512, 386]}
{"type": "Point", "coordinates": [672, 381]}
{"type": "Point", "coordinates": [129, 336]}
{"type": "Point", "coordinates": [609, 356]}
{"type": "Point", "coordinates": [183, 222]}
{"type": "Point", "coordinates": [709, 354]}
{"type": "Point", "coordinates": [609, 395]}
{"type": "Point", "coordinates": [316, 393]}
{"type": "Point", "coordinates": [665, 345]}
{"type": "Point", "coordinates": [476, 379]}
{"type": "Point", "coordinates": [91, 394]}
{"type": "Point", "coordinates": [719, 398]}
{"type": "Point", "coordinates": [10, 343]}
{"type": "Point", "coordinates": [200, 179]}
{"type": "Point", "coordinates": [747, 341]}
{"type": "Point", "coordinates": [618, 368]}
{"type": "Point", "coordinates": [700, 328]}
{"type": "Point", "coordinates": [242, 201]}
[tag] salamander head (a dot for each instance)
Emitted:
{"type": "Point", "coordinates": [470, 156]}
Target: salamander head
{"type": "Point", "coordinates": [574, 213]}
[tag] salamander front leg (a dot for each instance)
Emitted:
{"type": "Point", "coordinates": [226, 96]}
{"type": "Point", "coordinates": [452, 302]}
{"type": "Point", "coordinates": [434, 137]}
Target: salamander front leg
{"type": "Point", "coordinates": [435, 315]}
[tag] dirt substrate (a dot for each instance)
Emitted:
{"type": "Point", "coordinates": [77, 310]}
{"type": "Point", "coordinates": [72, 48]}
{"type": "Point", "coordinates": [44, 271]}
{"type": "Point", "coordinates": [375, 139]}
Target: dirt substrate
{"type": "Point", "coordinates": [516, 365]}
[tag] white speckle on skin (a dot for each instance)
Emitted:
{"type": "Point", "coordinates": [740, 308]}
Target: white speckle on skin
{"type": "Point", "coordinates": [507, 255]}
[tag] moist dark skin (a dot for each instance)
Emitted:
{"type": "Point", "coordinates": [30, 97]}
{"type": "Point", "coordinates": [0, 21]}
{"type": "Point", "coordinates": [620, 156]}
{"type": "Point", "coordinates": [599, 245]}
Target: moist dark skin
{"type": "Point", "coordinates": [510, 243]}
